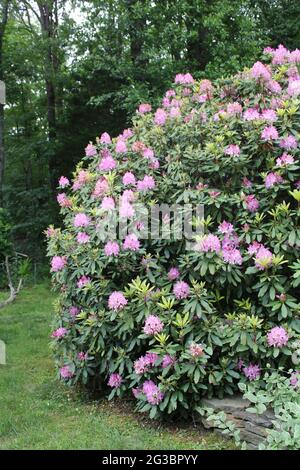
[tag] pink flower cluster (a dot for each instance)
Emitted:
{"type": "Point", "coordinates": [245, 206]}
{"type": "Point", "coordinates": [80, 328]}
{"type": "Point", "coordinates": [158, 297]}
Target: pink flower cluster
{"type": "Point", "coordinates": [65, 372]}
{"type": "Point", "coordinates": [58, 263]}
{"type": "Point", "coordinates": [111, 249]}
{"type": "Point", "coordinates": [277, 337]}
{"type": "Point", "coordinates": [59, 333]}
{"type": "Point", "coordinates": [232, 150]}
{"type": "Point", "coordinates": [269, 133]}
{"type": "Point", "coordinates": [173, 274]}
{"type": "Point", "coordinates": [181, 290]}
{"type": "Point", "coordinates": [210, 243]}
{"type": "Point", "coordinates": [83, 281]}
{"type": "Point", "coordinates": [81, 220]}
{"type": "Point", "coordinates": [131, 242]}
{"type": "Point", "coordinates": [146, 183]}
{"type": "Point", "coordinates": [184, 79]}
{"type": "Point", "coordinates": [196, 350]}
{"type": "Point", "coordinates": [117, 301]}
{"type": "Point", "coordinates": [153, 325]}
{"type": "Point", "coordinates": [153, 393]}
{"type": "Point", "coordinates": [144, 108]}
{"type": "Point", "coordinates": [272, 179]}
{"type": "Point", "coordinates": [115, 380]}
{"type": "Point", "coordinates": [252, 371]}
{"type": "Point", "coordinates": [144, 363]}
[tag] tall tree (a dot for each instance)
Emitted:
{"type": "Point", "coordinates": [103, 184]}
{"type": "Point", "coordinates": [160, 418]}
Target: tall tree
{"type": "Point", "coordinates": [3, 23]}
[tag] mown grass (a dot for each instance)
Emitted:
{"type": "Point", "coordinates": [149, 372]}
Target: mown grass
{"type": "Point", "coordinates": [38, 412]}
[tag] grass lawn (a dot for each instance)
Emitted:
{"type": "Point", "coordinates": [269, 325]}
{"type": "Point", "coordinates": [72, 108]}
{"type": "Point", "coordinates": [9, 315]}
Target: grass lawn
{"type": "Point", "coordinates": [38, 412]}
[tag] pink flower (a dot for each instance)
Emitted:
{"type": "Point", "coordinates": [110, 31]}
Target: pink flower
{"type": "Point", "coordinates": [206, 86]}
{"type": "Point", "coordinates": [196, 350]}
{"type": "Point", "coordinates": [81, 220]}
{"type": "Point", "coordinates": [232, 256]}
{"type": "Point", "coordinates": [269, 133]}
{"type": "Point", "coordinates": [128, 178]}
{"type": "Point", "coordinates": [252, 203]}
{"type": "Point", "coordinates": [63, 182]}
{"type": "Point", "coordinates": [115, 380]}
{"type": "Point", "coordinates": [294, 56]}
{"type": "Point", "coordinates": [294, 88]}
{"type": "Point", "coordinates": [59, 333]}
{"type": "Point", "coordinates": [285, 159]}
{"type": "Point", "coordinates": [184, 79]}
{"type": "Point", "coordinates": [272, 179]}
{"type": "Point", "coordinates": [160, 117]}
{"type": "Point", "coordinates": [181, 290]}
{"type": "Point", "coordinates": [131, 242]}
{"type": "Point", "coordinates": [127, 133]}
{"type": "Point", "coordinates": [168, 361]}
{"type": "Point", "coordinates": [295, 379]}
{"type": "Point", "coordinates": [225, 227]}
{"type": "Point", "coordinates": [233, 150]}
{"type": "Point", "coordinates": [209, 243]}
{"type": "Point", "coordinates": [280, 55]}
{"type": "Point", "coordinates": [154, 163]}
{"type": "Point", "coordinates": [82, 356]}
{"type": "Point", "coordinates": [277, 337]}
{"type": "Point", "coordinates": [121, 146]}
{"type": "Point", "coordinates": [65, 372]}
{"type": "Point", "coordinates": [274, 87]}
{"type": "Point", "coordinates": [105, 138]}
{"type": "Point", "coordinates": [107, 163]}
{"type": "Point", "coordinates": [83, 281]}
{"type": "Point", "coordinates": [127, 196]}
{"type": "Point", "coordinates": [111, 249]}
{"type": "Point", "coordinates": [288, 143]}
{"type": "Point", "coordinates": [246, 182]}
{"type": "Point", "coordinates": [74, 311]}
{"type": "Point", "coordinates": [81, 179]}
{"type": "Point", "coordinates": [145, 184]}
{"type": "Point", "coordinates": [144, 108]}
{"type": "Point", "coordinates": [141, 366]}
{"type": "Point", "coordinates": [58, 263]}
{"type": "Point", "coordinates": [101, 187]}
{"type": "Point", "coordinates": [108, 203]}
{"type": "Point", "coordinates": [63, 201]}
{"type": "Point", "coordinates": [83, 237]}
{"type": "Point", "coordinates": [269, 115]}
{"type": "Point", "coordinates": [126, 210]}
{"type": "Point", "coordinates": [260, 71]}
{"type": "Point", "coordinates": [252, 372]}
{"type": "Point", "coordinates": [251, 114]}
{"type": "Point", "coordinates": [153, 394]}
{"type": "Point", "coordinates": [234, 108]}
{"type": "Point", "coordinates": [153, 325]}
{"type": "Point", "coordinates": [173, 274]}
{"type": "Point", "coordinates": [90, 150]}
{"type": "Point", "coordinates": [254, 247]}
{"type": "Point", "coordinates": [263, 259]}
{"type": "Point", "coordinates": [175, 113]}
{"type": "Point", "coordinates": [117, 301]}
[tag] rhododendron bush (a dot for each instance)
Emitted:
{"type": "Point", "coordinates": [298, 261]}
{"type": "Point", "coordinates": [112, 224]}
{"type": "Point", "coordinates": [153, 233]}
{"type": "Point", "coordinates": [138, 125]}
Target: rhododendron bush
{"type": "Point", "coordinates": [151, 318]}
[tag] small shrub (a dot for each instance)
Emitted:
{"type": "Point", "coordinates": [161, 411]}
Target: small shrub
{"type": "Point", "coordinates": [149, 317]}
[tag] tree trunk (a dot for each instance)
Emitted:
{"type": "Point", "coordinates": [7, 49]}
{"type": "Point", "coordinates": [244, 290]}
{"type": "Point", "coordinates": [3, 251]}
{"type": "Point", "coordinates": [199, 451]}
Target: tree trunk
{"type": "Point", "coordinates": [48, 19]}
{"type": "Point", "coordinates": [136, 31]}
{"type": "Point", "coordinates": [3, 22]}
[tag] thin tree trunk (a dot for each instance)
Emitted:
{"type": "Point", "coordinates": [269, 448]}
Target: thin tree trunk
{"type": "Point", "coordinates": [48, 29]}
{"type": "Point", "coordinates": [4, 17]}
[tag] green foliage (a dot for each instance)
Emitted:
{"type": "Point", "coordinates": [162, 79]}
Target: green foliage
{"type": "Point", "coordinates": [280, 392]}
{"type": "Point", "coordinates": [5, 235]}
{"type": "Point", "coordinates": [221, 326]}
